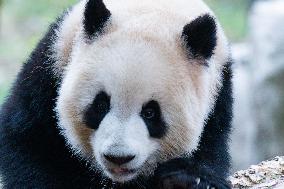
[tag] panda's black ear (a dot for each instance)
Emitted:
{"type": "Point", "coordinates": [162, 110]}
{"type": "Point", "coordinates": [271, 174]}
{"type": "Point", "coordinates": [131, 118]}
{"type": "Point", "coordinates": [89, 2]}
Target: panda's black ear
{"type": "Point", "coordinates": [200, 36]}
{"type": "Point", "coordinates": [95, 16]}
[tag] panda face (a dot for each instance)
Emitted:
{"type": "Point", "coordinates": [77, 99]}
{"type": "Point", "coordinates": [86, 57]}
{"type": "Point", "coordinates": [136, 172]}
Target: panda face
{"type": "Point", "coordinates": [134, 95]}
{"type": "Point", "coordinates": [127, 107]}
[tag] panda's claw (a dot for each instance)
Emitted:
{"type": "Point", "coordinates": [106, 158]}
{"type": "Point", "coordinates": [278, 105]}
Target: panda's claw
{"type": "Point", "coordinates": [197, 181]}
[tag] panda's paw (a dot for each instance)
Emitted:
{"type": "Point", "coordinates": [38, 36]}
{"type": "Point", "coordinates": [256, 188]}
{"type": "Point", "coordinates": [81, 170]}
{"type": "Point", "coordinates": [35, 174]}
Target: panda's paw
{"type": "Point", "coordinates": [181, 174]}
{"type": "Point", "coordinates": [183, 180]}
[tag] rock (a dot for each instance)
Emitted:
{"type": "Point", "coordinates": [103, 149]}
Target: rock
{"type": "Point", "coordinates": [268, 174]}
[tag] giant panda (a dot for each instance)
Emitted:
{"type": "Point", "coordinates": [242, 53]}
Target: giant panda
{"type": "Point", "coordinates": [122, 94]}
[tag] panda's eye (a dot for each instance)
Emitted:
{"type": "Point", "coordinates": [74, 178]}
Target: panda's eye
{"type": "Point", "coordinates": [148, 113]}
{"type": "Point", "coordinates": [151, 110]}
{"type": "Point", "coordinates": [97, 110]}
{"type": "Point", "coordinates": [101, 107]}
{"type": "Point", "coordinates": [152, 116]}
{"type": "Point", "coordinates": [101, 103]}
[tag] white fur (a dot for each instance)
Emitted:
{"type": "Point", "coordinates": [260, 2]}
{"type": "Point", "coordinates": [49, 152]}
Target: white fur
{"type": "Point", "coordinates": [122, 138]}
{"type": "Point", "coordinates": [66, 35]}
{"type": "Point", "coordinates": [140, 57]}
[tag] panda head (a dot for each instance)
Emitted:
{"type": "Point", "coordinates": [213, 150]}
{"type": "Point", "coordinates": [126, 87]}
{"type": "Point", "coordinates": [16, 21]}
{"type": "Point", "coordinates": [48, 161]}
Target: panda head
{"type": "Point", "coordinates": [137, 85]}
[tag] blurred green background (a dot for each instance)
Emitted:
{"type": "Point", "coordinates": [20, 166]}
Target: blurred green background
{"type": "Point", "coordinates": [23, 22]}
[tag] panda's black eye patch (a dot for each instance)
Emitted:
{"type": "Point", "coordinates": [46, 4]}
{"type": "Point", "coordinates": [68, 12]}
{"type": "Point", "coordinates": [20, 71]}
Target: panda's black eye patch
{"type": "Point", "coordinates": [151, 114]}
{"type": "Point", "coordinates": [97, 110]}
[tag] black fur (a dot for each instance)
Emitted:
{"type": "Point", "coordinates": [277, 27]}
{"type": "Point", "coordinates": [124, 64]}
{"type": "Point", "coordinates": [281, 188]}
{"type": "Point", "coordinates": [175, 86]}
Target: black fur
{"type": "Point", "coordinates": [200, 36]}
{"type": "Point", "coordinates": [156, 125]}
{"type": "Point", "coordinates": [34, 155]}
{"type": "Point", "coordinates": [95, 16]}
{"type": "Point", "coordinates": [97, 111]}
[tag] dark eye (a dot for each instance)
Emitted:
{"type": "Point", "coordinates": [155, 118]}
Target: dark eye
{"type": "Point", "coordinates": [97, 110]}
{"type": "Point", "coordinates": [101, 107]}
{"type": "Point", "coordinates": [149, 113]}
{"type": "Point", "coordinates": [152, 116]}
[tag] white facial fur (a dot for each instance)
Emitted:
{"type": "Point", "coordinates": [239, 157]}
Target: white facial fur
{"type": "Point", "coordinates": [122, 138]}
{"type": "Point", "coordinates": [135, 63]}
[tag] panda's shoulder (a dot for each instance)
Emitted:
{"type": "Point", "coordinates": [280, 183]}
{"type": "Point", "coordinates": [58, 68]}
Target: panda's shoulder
{"type": "Point", "coordinates": [27, 109]}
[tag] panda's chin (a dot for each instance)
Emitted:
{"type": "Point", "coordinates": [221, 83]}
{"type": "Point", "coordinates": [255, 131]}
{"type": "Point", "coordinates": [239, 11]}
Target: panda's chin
{"type": "Point", "coordinates": [120, 174]}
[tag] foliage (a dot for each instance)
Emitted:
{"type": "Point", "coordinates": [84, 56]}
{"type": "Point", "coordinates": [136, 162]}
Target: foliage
{"type": "Point", "coordinates": [232, 15]}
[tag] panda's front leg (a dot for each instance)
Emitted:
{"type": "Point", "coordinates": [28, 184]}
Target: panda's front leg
{"type": "Point", "coordinates": [185, 174]}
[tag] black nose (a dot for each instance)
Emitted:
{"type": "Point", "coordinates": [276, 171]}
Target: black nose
{"type": "Point", "coordinates": [119, 160]}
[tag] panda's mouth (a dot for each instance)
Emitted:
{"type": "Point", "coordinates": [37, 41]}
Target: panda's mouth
{"type": "Point", "coordinates": [121, 174]}
{"type": "Point", "coordinates": [119, 171]}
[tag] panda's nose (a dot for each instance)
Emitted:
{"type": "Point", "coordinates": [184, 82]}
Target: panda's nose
{"type": "Point", "coordinates": [119, 160]}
